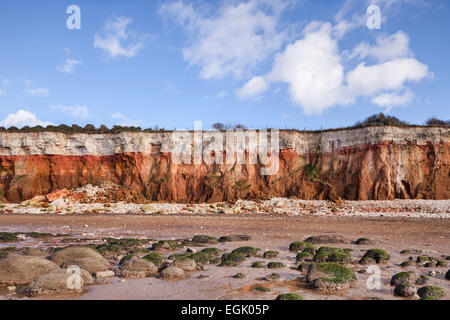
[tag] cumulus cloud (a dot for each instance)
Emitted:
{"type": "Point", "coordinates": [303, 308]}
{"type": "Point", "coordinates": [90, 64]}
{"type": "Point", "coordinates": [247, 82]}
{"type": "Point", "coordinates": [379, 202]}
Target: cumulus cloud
{"type": "Point", "coordinates": [23, 118]}
{"type": "Point", "coordinates": [119, 41]}
{"type": "Point", "coordinates": [252, 88]}
{"type": "Point", "coordinates": [75, 111]}
{"type": "Point", "coordinates": [385, 48]}
{"type": "Point", "coordinates": [390, 100]}
{"type": "Point", "coordinates": [69, 66]}
{"type": "Point", "coordinates": [314, 70]}
{"type": "Point", "coordinates": [231, 41]}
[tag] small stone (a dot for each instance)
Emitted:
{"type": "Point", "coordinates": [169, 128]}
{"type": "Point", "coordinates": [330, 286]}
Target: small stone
{"type": "Point", "coordinates": [104, 274]}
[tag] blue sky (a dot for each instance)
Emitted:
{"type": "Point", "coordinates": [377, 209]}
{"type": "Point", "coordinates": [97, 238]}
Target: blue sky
{"type": "Point", "coordinates": [285, 64]}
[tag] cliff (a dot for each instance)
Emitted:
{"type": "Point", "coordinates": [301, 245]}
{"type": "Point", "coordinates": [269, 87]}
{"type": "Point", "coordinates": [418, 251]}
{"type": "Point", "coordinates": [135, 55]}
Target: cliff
{"type": "Point", "coordinates": [357, 164]}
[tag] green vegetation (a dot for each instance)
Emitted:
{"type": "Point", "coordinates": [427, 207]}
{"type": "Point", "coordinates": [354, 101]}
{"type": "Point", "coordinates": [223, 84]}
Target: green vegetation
{"type": "Point", "coordinates": [8, 237]}
{"type": "Point", "coordinates": [337, 272]}
{"type": "Point", "coordinates": [270, 254]}
{"type": "Point", "coordinates": [375, 255]}
{"type": "Point", "coordinates": [329, 254]}
{"type": "Point", "coordinates": [431, 291]}
{"type": "Point", "coordinates": [166, 244]}
{"type": "Point", "coordinates": [239, 276]}
{"type": "Point", "coordinates": [235, 237]}
{"type": "Point", "coordinates": [231, 259]}
{"type": "Point", "coordinates": [125, 258]}
{"type": "Point", "coordinates": [257, 264]}
{"type": "Point", "coordinates": [434, 122]}
{"type": "Point", "coordinates": [206, 256]}
{"type": "Point", "coordinates": [431, 261]}
{"type": "Point", "coordinates": [246, 251]}
{"type": "Point", "coordinates": [262, 289]}
{"type": "Point", "coordinates": [379, 119]}
{"type": "Point", "coordinates": [241, 185]}
{"type": "Point", "coordinates": [304, 255]}
{"type": "Point", "coordinates": [156, 258]}
{"type": "Point", "coordinates": [212, 251]}
{"type": "Point", "coordinates": [272, 277]}
{"type": "Point", "coordinates": [402, 278]}
{"type": "Point", "coordinates": [289, 296]}
{"type": "Point", "coordinates": [303, 266]}
{"type": "Point", "coordinates": [275, 264]}
{"type": "Point", "coordinates": [117, 246]}
{"type": "Point", "coordinates": [204, 239]}
{"type": "Point", "coordinates": [299, 245]}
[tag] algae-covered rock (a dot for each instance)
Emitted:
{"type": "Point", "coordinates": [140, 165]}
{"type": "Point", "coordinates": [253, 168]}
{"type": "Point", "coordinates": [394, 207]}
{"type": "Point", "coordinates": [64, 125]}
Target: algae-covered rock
{"type": "Point", "coordinates": [375, 256]}
{"type": "Point", "coordinates": [431, 291]}
{"type": "Point", "coordinates": [328, 254]}
{"type": "Point", "coordinates": [403, 277]}
{"type": "Point", "coordinates": [289, 296]}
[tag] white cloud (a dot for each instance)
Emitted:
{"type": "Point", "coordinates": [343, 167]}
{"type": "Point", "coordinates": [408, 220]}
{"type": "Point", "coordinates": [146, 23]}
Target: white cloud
{"type": "Point", "coordinates": [314, 71]}
{"type": "Point", "coordinates": [386, 48]}
{"type": "Point", "coordinates": [233, 40]}
{"type": "Point", "coordinates": [23, 118]}
{"type": "Point", "coordinates": [312, 68]}
{"type": "Point", "coordinates": [171, 88]}
{"type": "Point", "coordinates": [2, 92]}
{"type": "Point", "coordinates": [389, 75]}
{"type": "Point", "coordinates": [118, 41]}
{"type": "Point", "coordinates": [38, 92]}
{"type": "Point", "coordinates": [69, 65]}
{"type": "Point", "coordinates": [75, 111]}
{"type": "Point", "coordinates": [253, 87]}
{"type": "Point", "coordinates": [392, 99]}
{"type": "Point", "coordinates": [125, 121]}
{"type": "Point", "coordinates": [221, 95]}
{"type": "Point", "coordinates": [35, 92]}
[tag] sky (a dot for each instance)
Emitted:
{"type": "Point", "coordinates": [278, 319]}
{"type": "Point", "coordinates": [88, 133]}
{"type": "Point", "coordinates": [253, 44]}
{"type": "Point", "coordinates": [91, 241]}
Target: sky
{"type": "Point", "coordinates": [304, 64]}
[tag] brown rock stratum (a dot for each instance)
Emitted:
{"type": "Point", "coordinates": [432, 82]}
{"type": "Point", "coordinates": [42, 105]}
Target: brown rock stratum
{"type": "Point", "coordinates": [375, 163]}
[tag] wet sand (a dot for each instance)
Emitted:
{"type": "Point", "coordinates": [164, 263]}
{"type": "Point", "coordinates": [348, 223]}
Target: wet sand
{"type": "Point", "coordinates": [268, 232]}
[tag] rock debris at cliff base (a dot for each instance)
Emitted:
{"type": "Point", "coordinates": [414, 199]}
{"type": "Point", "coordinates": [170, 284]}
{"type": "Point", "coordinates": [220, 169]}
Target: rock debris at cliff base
{"type": "Point", "coordinates": [108, 199]}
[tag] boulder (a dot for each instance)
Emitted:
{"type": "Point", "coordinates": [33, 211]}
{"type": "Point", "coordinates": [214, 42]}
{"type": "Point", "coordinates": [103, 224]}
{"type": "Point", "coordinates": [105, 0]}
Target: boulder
{"type": "Point", "coordinates": [58, 282]}
{"type": "Point", "coordinates": [329, 276]}
{"type": "Point", "coordinates": [85, 258]}
{"type": "Point", "coordinates": [363, 241]}
{"type": "Point", "coordinates": [20, 270]}
{"type": "Point", "coordinates": [204, 239]}
{"type": "Point", "coordinates": [59, 204]}
{"type": "Point", "coordinates": [185, 263]}
{"type": "Point", "coordinates": [172, 272]}
{"type": "Point", "coordinates": [403, 278]}
{"type": "Point", "coordinates": [138, 268]}
{"type": "Point", "coordinates": [431, 292]}
{"type": "Point", "coordinates": [327, 238]}
{"type": "Point", "coordinates": [56, 195]}
{"type": "Point", "coordinates": [235, 237]}
{"type": "Point", "coordinates": [148, 209]}
{"type": "Point", "coordinates": [37, 252]}
{"type": "Point", "coordinates": [405, 290]}
{"type": "Point", "coordinates": [375, 256]}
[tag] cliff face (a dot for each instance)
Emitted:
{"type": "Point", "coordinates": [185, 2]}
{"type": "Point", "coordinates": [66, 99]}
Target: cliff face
{"type": "Point", "coordinates": [357, 164]}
